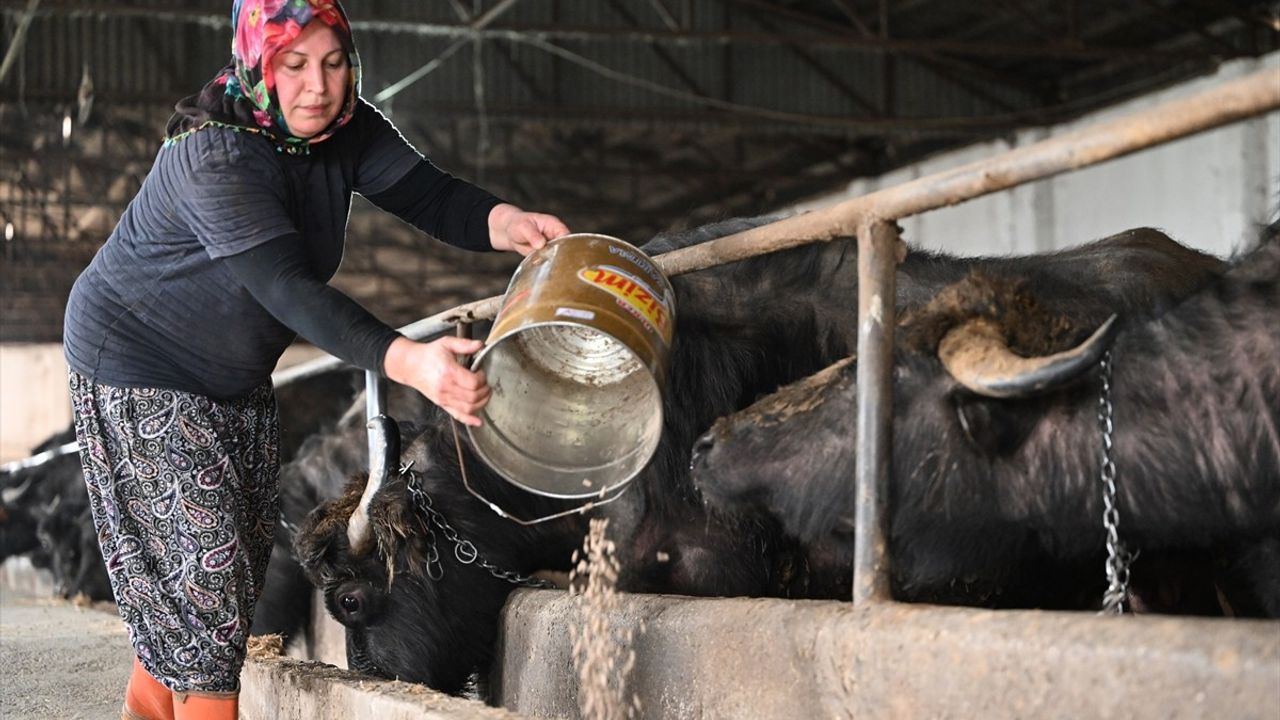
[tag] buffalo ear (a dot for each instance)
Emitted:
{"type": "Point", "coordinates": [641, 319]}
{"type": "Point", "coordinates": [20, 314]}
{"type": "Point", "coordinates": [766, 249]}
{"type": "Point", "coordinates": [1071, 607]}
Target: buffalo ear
{"type": "Point", "coordinates": [321, 539]}
{"type": "Point", "coordinates": [996, 427]}
{"type": "Point", "coordinates": [403, 539]}
{"type": "Point", "coordinates": [315, 546]}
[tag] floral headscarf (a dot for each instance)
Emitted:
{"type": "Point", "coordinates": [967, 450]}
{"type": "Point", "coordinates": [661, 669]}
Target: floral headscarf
{"type": "Point", "coordinates": [243, 94]}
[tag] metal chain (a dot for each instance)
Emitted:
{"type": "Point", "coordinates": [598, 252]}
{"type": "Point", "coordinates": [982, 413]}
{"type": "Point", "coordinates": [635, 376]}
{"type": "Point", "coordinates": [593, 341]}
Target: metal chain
{"type": "Point", "coordinates": [1118, 556]}
{"type": "Point", "coordinates": [463, 550]}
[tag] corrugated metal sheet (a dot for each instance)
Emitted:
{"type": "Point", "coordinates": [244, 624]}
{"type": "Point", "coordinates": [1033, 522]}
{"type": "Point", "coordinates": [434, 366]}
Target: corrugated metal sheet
{"type": "Point", "coordinates": [136, 57]}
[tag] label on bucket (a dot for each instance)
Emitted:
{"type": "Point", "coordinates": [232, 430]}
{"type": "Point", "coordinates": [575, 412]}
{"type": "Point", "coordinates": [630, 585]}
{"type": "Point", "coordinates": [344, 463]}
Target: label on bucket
{"type": "Point", "coordinates": [634, 294]}
{"type": "Point", "coordinates": [575, 313]}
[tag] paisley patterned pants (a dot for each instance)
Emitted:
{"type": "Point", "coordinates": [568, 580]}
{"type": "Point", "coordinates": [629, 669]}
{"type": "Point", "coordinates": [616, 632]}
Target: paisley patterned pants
{"type": "Point", "coordinates": [183, 491]}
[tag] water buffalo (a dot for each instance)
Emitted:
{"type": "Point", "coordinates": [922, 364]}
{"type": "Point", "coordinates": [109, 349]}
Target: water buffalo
{"type": "Point", "coordinates": [65, 531]}
{"type": "Point", "coordinates": [318, 470]}
{"type": "Point", "coordinates": [440, 631]}
{"type": "Point", "coordinates": [414, 610]}
{"type": "Point", "coordinates": [323, 463]}
{"type": "Point", "coordinates": [743, 330]}
{"type": "Point", "coordinates": [44, 514]}
{"type": "Point", "coordinates": [991, 485]}
{"type": "Point", "coordinates": [24, 492]}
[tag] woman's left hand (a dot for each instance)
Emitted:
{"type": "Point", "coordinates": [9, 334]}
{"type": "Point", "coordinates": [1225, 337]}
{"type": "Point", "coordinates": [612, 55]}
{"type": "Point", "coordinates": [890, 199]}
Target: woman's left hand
{"type": "Point", "coordinates": [513, 229]}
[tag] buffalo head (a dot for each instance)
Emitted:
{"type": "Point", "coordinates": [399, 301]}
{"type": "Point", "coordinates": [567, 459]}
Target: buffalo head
{"type": "Point", "coordinates": [997, 456]}
{"type": "Point", "coordinates": [416, 604]}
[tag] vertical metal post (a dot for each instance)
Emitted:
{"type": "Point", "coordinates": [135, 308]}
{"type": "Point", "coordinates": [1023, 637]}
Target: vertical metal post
{"type": "Point", "coordinates": [878, 249]}
{"type": "Point", "coordinates": [375, 406]}
{"type": "Point", "coordinates": [375, 395]}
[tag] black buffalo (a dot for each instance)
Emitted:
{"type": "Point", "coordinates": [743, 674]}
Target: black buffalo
{"type": "Point", "coordinates": [743, 330]}
{"type": "Point", "coordinates": [412, 608]}
{"type": "Point", "coordinates": [438, 632]}
{"type": "Point", "coordinates": [65, 531]}
{"type": "Point", "coordinates": [26, 491]}
{"type": "Point", "coordinates": [44, 515]}
{"type": "Point", "coordinates": [995, 495]}
{"type": "Point", "coordinates": [320, 467]}
{"type": "Point", "coordinates": [44, 508]}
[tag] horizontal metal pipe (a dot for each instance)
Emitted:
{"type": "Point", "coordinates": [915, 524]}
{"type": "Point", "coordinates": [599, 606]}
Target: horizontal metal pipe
{"type": "Point", "coordinates": [1229, 102]}
{"type": "Point", "coordinates": [40, 458]}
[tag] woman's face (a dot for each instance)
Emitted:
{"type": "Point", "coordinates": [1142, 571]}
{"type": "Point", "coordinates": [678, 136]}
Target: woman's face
{"type": "Point", "coordinates": [311, 77]}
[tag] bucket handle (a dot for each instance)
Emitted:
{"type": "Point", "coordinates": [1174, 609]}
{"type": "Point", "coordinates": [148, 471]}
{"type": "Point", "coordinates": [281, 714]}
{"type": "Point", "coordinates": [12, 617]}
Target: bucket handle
{"type": "Point", "coordinates": [463, 330]}
{"type": "Point", "coordinates": [583, 508]}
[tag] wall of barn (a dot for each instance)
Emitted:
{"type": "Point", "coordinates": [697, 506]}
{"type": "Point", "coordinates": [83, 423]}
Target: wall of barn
{"type": "Point", "coordinates": [1208, 191]}
{"type": "Point", "coordinates": [35, 402]}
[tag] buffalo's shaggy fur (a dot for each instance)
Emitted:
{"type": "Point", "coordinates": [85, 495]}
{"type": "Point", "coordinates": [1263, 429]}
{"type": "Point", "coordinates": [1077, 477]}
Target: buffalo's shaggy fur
{"type": "Point", "coordinates": [323, 464]}
{"type": "Point", "coordinates": [45, 516]}
{"type": "Point", "coordinates": [987, 494]}
{"type": "Point", "coordinates": [402, 623]}
{"type": "Point", "coordinates": [318, 471]}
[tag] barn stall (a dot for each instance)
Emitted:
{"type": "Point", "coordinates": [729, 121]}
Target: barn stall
{"type": "Point", "coordinates": [680, 690]}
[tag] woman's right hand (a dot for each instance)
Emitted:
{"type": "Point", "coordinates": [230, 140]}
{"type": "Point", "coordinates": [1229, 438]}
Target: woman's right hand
{"type": "Point", "coordinates": [433, 370]}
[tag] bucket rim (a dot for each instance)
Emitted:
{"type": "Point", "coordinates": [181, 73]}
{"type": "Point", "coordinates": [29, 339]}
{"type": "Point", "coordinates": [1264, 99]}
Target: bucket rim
{"type": "Point", "coordinates": [475, 360]}
{"type": "Point", "coordinates": [602, 236]}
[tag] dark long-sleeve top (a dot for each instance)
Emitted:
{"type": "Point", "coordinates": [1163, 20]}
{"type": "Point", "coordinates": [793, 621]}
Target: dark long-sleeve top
{"type": "Point", "coordinates": [224, 256]}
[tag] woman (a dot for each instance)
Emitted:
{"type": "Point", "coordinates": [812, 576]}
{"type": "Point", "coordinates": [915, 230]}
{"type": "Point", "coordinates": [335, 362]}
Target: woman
{"type": "Point", "coordinates": [172, 332]}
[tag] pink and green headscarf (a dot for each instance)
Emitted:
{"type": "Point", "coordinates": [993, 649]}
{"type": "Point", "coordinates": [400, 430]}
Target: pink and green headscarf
{"type": "Point", "coordinates": [243, 94]}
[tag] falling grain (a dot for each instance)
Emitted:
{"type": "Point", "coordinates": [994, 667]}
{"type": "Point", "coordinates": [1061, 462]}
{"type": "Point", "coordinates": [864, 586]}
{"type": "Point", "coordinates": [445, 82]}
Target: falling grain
{"type": "Point", "coordinates": [602, 658]}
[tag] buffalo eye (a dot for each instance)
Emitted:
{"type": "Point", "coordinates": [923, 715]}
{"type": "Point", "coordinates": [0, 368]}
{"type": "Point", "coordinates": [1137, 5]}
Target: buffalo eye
{"type": "Point", "coordinates": [353, 603]}
{"type": "Point", "coordinates": [995, 427]}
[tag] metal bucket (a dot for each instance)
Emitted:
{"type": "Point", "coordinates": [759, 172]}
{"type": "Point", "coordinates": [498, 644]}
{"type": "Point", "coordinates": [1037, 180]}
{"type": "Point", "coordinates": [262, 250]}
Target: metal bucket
{"type": "Point", "coordinates": [576, 359]}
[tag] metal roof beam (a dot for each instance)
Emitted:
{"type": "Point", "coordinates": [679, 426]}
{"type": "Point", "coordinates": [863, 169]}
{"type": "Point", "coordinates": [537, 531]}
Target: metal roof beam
{"type": "Point", "coordinates": [964, 127]}
{"type": "Point", "coordinates": [1175, 19]}
{"type": "Point", "coordinates": [812, 63]}
{"type": "Point", "coordinates": [665, 15]}
{"type": "Point", "coordinates": [614, 35]}
{"type": "Point", "coordinates": [933, 61]}
{"type": "Point", "coordinates": [665, 57]}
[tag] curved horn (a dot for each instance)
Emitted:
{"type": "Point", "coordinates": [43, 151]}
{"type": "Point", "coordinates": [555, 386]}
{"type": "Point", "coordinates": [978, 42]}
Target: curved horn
{"type": "Point", "coordinates": [11, 495]}
{"type": "Point", "coordinates": [384, 453]}
{"type": "Point", "coordinates": [976, 355]}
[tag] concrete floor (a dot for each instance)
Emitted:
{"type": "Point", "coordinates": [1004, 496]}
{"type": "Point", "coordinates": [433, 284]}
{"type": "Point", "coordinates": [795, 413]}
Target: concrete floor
{"type": "Point", "coordinates": [60, 660]}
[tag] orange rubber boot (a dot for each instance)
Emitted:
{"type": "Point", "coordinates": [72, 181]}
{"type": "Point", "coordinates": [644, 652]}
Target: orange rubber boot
{"type": "Point", "coordinates": [206, 706]}
{"type": "Point", "coordinates": [145, 698]}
